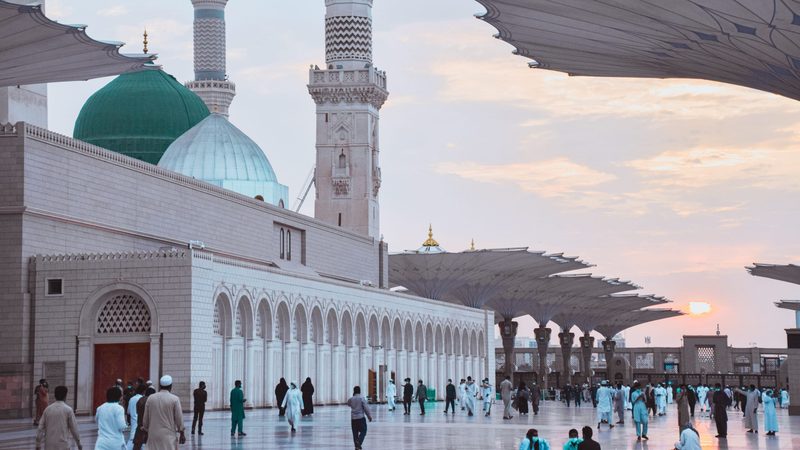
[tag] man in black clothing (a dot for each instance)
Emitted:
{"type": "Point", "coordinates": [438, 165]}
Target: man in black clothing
{"type": "Point", "coordinates": [450, 396]}
{"type": "Point", "coordinates": [422, 396]}
{"type": "Point", "coordinates": [692, 397]}
{"type": "Point", "coordinates": [719, 406]}
{"type": "Point", "coordinates": [567, 393]}
{"type": "Point", "coordinates": [408, 394]}
{"type": "Point", "coordinates": [588, 443]}
{"type": "Point", "coordinates": [200, 398]}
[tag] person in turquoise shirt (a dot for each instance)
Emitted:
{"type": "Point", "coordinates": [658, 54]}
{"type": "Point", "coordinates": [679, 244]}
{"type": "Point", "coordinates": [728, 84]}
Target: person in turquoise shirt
{"type": "Point", "coordinates": [237, 409]}
{"type": "Point", "coordinates": [640, 416]}
{"type": "Point", "coordinates": [573, 441]}
{"type": "Point", "coordinates": [532, 441]}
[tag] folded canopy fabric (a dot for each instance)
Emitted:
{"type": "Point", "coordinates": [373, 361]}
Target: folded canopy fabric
{"type": "Point", "coordinates": [752, 43]}
{"type": "Point", "coordinates": [35, 49]}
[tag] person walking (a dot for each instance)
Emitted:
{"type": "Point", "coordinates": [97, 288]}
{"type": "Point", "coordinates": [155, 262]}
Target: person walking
{"type": "Point", "coordinates": [138, 433]}
{"type": "Point", "coordinates": [640, 412]}
{"type": "Point", "coordinates": [604, 398]}
{"type": "Point", "coordinates": [307, 390]}
{"type": "Point", "coordinates": [567, 394]}
{"type": "Point", "coordinates": [488, 397]}
{"type": "Point", "coordinates": [523, 396]}
{"type": "Point", "coordinates": [359, 414]}
{"type": "Point", "coordinates": [293, 402]}
{"type": "Point", "coordinates": [163, 418]}
{"type": "Point", "coordinates": [57, 425]}
{"type": "Point", "coordinates": [721, 401]}
{"type": "Point", "coordinates": [110, 418]}
{"type": "Point", "coordinates": [691, 396]}
{"type": "Point", "coordinates": [784, 398]}
{"type": "Point", "coordinates": [237, 409]}
{"type": "Point", "coordinates": [41, 399]}
{"type": "Point", "coordinates": [408, 394]}
{"type": "Point", "coordinates": [588, 443]}
{"type": "Point", "coordinates": [280, 393]}
{"type": "Point", "coordinates": [462, 390]}
{"type": "Point", "coordinates": [536, 396]}
{"type": "Point", "coordinates": [422, 396]}
{"type": "Point", "coordinates": [505, 393]}
{"type": "Point", "coordinates": [532, 441]}
{"type": "Point", "coordinates": [470, 395]}
{"type": "Point", "coordinates": [450, 396]}
{"type": "Point", "coordinates": [133, 414]}
{"type": "Point", "coordinates": [200, 398]}
{"type": "Point", "coordinates": [770, 413]}
{"type": "Point", "coordinates": [391, 395]}
{"type": "Point", "coordinates": [683, 407]}
{"type": "Point", "coordinates": [619, 403]}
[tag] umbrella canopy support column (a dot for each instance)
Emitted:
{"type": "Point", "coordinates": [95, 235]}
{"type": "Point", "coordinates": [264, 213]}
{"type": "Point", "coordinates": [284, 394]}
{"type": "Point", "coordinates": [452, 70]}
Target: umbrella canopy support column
{"type": "Point", "coordinates": [587, 342]}
{"type": "Point", "coordinates": [542, 342]}
{"type": "Point", "coordinates": [508, 332]}
{"type": "Point", "coordinates": [608, 348]}
{"type": "Point", "coordinates": [567, 339]}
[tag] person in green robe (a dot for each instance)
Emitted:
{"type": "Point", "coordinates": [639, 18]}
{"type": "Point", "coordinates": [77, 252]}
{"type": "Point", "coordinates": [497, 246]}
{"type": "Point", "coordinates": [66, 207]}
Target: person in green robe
{"type": "Point", "coordinates": [237, 409]}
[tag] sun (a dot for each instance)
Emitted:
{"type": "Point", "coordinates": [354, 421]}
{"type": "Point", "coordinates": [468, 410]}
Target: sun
{"type": "Point", "coordinates": [699, 308]}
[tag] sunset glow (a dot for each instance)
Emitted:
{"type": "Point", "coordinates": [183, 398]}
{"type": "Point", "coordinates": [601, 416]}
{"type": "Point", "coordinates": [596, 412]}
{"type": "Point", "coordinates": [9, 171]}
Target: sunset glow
{"type": "Point", "coordinates": [699, 308]}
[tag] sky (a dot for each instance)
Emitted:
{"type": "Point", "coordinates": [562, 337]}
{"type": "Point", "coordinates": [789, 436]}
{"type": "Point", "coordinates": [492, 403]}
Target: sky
{"type": "Point", "coordinates": [676, 185]}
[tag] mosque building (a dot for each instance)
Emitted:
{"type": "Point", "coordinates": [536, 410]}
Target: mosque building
{"type": "Point", "coordinates": [166, 247]}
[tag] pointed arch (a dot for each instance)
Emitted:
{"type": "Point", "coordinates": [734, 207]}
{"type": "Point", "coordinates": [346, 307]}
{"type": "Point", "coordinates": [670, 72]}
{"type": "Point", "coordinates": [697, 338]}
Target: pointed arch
{"type": "Point", "coordinates": [397, 334]}
{"type": "Point", "coordinates": [438, 339]}
{"type": "Point", "coordinates": [223, 315]}
{"type": "Point", "coordinates": [243, 325]}
{"type": "Point", "coordinates": [347, 329]}
{"type": "Point", "coordinates": [428, 338]}
{"type": "Point", "coordinates": [283, 323]}
{"type": "Point", "coordinates": [374, 332]}
{"type": "Point", "coordinates": [386, 333]}
{"type": "Point", "coordinates": [300, 324]}
{"type": "Point", "coordinates": [418, 338]}
{"type": "Point", "coordinates": [408, 337]}
{"type": "Point", "coordinates": [361, 330]}
{"type": "Point", "coordinates": [457, 341]}
{"type": "Point", "coordinates": [317, 329]}
{"type": "Point", "coordinates": [448, 340]}
{"type": "Point", "coordinates": [473, 338]}
{"type": "Point", "coordinates": [263, 327]}
{"type": "Point", "coordinates": [332, 328]}
{"type": "Point", "coordinates": [465, 348]}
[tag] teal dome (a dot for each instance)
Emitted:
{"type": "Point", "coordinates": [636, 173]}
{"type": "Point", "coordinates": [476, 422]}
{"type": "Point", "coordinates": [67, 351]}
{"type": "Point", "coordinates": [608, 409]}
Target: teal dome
{"type": "Point", "coordinates": [139, 114]}
{"type": "Point", "coordinates": [217, 152]}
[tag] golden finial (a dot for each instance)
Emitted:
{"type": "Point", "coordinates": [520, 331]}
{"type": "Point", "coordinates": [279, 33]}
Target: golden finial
{"type": "Point", "coordinates": [145, 41]}
{"type": "Point", "coordinates": [472, 245]}
{"type": "Point", "coordinates": [430, 242]}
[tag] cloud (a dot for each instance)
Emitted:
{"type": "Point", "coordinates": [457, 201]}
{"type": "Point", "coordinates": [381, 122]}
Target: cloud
{"type": "Point", "coordinates": [113, 11]}
{"type": "Point", "coordinates": [557, 177]}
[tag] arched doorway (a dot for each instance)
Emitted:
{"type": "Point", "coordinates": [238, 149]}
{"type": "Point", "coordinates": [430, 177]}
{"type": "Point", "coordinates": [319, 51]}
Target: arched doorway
{"type": "Point", "coordinates": [121, 344]}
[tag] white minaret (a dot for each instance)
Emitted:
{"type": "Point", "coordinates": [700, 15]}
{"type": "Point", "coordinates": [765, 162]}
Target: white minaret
{"type": "Point", "coordinates": [210, 79]}
{"type": "Point", "coordinates": [349, 94]}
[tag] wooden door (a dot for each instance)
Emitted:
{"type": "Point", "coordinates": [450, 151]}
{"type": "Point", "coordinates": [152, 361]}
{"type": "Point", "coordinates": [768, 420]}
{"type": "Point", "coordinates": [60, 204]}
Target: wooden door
{"type": "Point", "coordinates": [373, 385]}
{"type": "Point", "coordinates": [124, 361]}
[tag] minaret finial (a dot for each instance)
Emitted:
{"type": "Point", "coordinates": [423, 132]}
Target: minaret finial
{"type": "Point", "coordinates": [430, 242]}
{"type": "Point", "coordinates": [145, 41]}
{"type": "Point", "coordinates": [472, 245]}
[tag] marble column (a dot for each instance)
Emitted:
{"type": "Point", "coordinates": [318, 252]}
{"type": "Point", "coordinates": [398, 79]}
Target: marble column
{"type": "Point", "coordinates": [543, 343]}
{"type": "Point", "coordinates": [587, 342]}
{"type": "Point", "coordinates": [508, 332]}
{"type": "Point", "coordinates": [566, 339]}
{"type": "Point", "coordinates": [608, 348]}
{"type": "Point", "coordinates": [84, 382]}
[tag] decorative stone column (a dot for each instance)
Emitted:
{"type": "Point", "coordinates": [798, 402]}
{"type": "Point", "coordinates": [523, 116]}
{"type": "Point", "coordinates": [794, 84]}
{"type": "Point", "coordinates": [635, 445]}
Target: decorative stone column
{"type": "Point", "coordinates": [608, 348]}
{"type": "Point", "coordinates": [566, 339]}
{"type": "Point", "coordinates": [587, 342]}
{"type": "Point", "coordinates": [508, 332]}
{"type": "Point", "coordinates": [543, 343]}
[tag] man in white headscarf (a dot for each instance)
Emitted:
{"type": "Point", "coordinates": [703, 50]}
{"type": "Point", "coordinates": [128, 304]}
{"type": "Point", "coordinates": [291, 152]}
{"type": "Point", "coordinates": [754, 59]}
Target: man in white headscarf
{"type": "Point", "coordinates": [163, 418]}
{"type": "Point", "coordinates": [293, 402]}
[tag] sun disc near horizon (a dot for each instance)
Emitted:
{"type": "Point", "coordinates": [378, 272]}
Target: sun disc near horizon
{"type": "Point", "coordinates": [699, 308]}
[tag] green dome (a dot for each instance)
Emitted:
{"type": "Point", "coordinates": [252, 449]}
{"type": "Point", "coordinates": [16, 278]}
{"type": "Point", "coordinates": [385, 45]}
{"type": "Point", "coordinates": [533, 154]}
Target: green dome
{"type": "Point", "coordinates": [139, 114]}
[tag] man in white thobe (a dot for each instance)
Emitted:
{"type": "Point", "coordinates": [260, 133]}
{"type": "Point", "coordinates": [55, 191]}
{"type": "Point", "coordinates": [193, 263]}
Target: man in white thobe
{"type": "Point", "coordinates": [505, 393]}
{"type": "Point", "coordinates": [293, 402]}
{"type": "Point", "coordinates": [784, 398]}
{"type": "Point", "coordinates": [605, 404]}
{"type": "Point", "coordinates": [163, 418]}
{"type": "Point", "coordinates": [461, 392]}
{"type": "Point", "coordinates": [670, 393]}
{"type": "Point", "coordinates": [626, 391]}
{"type": "Point", "coordinates": [470, 393]}
{"type": "Point", "coordinates": [391, 393]}
{"type": "Point", "coordinates": [661, 399]}
{"type": "Point", "coordinates": [702, 395]}
{"type": "Point", "coordinates": [750, 408]}
{"type": "Point", "coordinates": [133, 415]}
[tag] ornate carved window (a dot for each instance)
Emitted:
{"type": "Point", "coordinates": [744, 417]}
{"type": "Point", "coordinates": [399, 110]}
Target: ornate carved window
{"type": "Point", "coordinates": [239, 330]}
{"type": "Point", "coordinates": [217, 320]}
{"type": "Point", "coordinates": [706, 358]}
{"type": "Point", "coordinates": [124, 313]}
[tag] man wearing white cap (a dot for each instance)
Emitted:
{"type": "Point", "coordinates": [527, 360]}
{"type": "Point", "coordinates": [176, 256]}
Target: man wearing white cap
{"type": "Point", "coordinates": [163, 418]}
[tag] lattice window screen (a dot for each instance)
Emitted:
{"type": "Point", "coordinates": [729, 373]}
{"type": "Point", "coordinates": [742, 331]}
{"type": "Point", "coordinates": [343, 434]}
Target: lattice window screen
{"type": "Point", "coordinates": [259, 326]}
{"type": "Point", "coordinates": [706, 358]}
{"type": "Point", "coordinates": [124, 313]}
{"type": "Point", "coordinates": [644, 361]}
{"type": "Point", "coordinates": [239, 331]}
{"type": "Point", "coordinates": [217, 321]}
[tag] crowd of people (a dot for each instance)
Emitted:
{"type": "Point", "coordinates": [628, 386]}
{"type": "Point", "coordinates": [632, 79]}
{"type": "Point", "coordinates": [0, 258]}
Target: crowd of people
{"type": "Point", "coordinates": [154, 417]}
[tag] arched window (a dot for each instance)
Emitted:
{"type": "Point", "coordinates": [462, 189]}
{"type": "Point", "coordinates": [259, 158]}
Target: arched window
{"type": "Point", "coordinates": [342, 160]}
{"type": "Point", "coordinates": [289, 245]}
{"type": "Point", "coordinates": [123, 313]}
{"type": "Point", "coordinates": [283, 243]}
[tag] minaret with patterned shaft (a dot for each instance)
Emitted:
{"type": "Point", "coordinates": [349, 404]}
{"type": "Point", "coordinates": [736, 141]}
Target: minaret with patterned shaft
{"type": "Point", "coordinates": [349, 93]}
{"type": "Point", "coordinates": [210, 79]}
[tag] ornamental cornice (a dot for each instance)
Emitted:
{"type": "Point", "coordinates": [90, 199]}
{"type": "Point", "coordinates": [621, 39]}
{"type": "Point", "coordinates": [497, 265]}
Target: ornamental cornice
{"type": "Point", "coordinates": [372, 95]}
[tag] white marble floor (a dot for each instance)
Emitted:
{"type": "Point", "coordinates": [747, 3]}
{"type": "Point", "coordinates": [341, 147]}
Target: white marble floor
{"type": "Point", "coordinates": [329, 429]}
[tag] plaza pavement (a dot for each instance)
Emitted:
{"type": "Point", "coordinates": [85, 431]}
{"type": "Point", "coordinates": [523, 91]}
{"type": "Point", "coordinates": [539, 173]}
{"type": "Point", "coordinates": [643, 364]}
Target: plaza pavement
{"type": "Point", "coordinates": [329, 429]}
